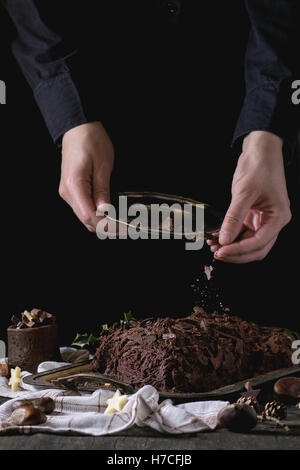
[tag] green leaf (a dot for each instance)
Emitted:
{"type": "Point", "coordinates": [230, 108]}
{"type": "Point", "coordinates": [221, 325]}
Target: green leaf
{"type": "Point", "coordinates": [128, 317]}
{"type": "Point", "coordinates": [81, 340]}
{"type": "Point", "coordinates": [92, 339]}
{"type": "Point", "coordinates": [85, 340]}
{"type": "Point", "coordinates": [105, 327]}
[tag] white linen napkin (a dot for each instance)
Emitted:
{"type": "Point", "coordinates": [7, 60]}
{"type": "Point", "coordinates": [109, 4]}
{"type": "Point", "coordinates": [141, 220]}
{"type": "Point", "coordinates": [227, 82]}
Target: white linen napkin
{"type": "Point", "coordinates": [69, 356]}
{"type": "Point", "coordinates": [82, 413]}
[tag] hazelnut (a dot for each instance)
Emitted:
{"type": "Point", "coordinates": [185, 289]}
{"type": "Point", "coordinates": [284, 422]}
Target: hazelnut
{"type": "Point", "coordinates": [27, 416]}
{"type": "Point", "coordinates": [45, 405]}
{"type": "Point", "coordinates": [238, 417]}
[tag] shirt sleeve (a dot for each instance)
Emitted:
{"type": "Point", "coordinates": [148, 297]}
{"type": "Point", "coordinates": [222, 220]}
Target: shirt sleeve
{"type": "Point", "coordinates": [45, 57]}
{"type": "Point", "coordinates": [272, 65]}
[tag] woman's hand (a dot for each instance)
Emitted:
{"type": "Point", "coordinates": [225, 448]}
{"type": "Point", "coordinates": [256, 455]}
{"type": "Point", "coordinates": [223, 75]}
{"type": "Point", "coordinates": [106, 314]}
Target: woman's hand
{"type": "Point", "coordinates": [87, 163]}
{"type": "Point", "coordinates": [260, 206]}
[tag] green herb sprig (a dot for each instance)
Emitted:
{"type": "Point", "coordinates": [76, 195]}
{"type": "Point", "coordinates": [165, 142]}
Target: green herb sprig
{"type": "Point", "coordinates": [128, 317]}
{"type": "Point", "coordinates": [86, 341]}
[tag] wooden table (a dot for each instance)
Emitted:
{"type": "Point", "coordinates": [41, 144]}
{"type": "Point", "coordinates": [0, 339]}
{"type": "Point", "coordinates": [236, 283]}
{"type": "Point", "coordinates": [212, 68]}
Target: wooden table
{"type": "Point", "coordinates": [263, 437]}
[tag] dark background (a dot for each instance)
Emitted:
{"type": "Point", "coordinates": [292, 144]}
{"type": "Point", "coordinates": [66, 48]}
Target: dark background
{"type": "Point", "coordinates": [169, 96]}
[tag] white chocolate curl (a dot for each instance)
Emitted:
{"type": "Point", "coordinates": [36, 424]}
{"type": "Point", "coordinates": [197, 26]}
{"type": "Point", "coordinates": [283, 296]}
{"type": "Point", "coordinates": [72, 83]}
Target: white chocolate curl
{"type": "Point", "coordinates": [15, 379]}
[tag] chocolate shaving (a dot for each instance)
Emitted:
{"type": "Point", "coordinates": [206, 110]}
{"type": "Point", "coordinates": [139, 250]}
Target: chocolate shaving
{"type": "Point", "coordinates": [37, 311]}
{"type": "Point", "coordinates": [207, 291]}
{"type": "Point", "coordinates": [39, 318]}
{"type": "Point", "coordinates": [15, 320]}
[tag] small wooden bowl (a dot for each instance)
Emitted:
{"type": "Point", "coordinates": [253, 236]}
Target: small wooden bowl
{"type": "Point", "coordinates": [27, 348]}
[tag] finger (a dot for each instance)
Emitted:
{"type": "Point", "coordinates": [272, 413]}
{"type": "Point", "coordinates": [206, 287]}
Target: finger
{"type": "Point", "coordinates": [253, 219]}
{"type": "Point", "coordinates": [234, 219]}
{"type": "Point", "coordinates": [253, 241]}
{"type": "Point", "coordinates": [215, 248]}
{"type": "Point", "coordinates": [213, 235]}
{"type": "Point", "coordinates": [214, 242]}
{"type": "Point", "coordinates": [249, 257]}
{"type": "Point", "coordinates": [257, 220]}
{"type": "Point", "coordinates": [82, 204]}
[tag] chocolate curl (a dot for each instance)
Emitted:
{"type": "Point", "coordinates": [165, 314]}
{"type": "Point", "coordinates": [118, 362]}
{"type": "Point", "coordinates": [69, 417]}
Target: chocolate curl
{"type": "Point", "coordinates": [39, 318]}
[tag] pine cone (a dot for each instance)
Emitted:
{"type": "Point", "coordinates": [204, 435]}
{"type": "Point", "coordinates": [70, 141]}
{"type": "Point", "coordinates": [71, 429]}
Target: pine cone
{"type": "Point", "coordinates": [251, 401]}
{"type": "Point", "coordinates": [250, 397]}
{"type": "Point", "coordinates": [275, 409]}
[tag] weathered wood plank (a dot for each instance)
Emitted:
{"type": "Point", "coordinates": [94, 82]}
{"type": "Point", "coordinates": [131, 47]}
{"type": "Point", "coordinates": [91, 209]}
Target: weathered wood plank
{"type": "Point", "coordinates": [263, 437]}
{"type": "Point", "coordinates": [220, 440]}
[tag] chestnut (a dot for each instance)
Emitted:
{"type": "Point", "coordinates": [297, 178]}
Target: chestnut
{"type": "Point", "coordinates": [238, 417]}
{"type": "Point", "coordinates": [45, 405]}
{"type": "Point", "coordinates": [4, 370]}
{"type": "Point", "coordinates": [288, 388]}
{"type": "Point", "coordinates": [27, 416]}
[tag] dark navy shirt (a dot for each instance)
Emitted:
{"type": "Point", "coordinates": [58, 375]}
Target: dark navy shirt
{"type": "Point", "coordinates": [49, 40]}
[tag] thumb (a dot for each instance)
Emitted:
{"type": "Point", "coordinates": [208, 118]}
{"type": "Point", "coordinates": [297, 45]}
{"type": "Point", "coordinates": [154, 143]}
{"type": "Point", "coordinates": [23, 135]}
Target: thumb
{"type": "Point", "coordinates": [234, 219]}
{"type": "Point", "coordinates": [101, 190]}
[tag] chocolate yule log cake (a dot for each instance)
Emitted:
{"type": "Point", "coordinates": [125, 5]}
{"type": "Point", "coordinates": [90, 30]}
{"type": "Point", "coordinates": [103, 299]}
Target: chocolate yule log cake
{"type": "Point", "coordinates": [198, 353]}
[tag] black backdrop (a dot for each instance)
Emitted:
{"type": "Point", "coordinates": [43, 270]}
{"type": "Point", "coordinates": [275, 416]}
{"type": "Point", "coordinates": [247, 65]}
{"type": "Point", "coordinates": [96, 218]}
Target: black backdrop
{"type": "Point", "coordinates": [170, 104]}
